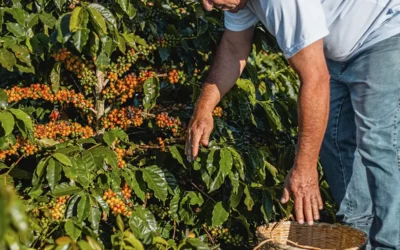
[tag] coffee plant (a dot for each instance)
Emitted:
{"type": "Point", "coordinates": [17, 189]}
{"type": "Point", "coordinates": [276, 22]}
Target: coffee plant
{"type": "Point", "coordinates": [95, 100]}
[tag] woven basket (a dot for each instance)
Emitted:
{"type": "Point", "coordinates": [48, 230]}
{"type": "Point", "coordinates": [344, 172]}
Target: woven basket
{"type": "Point", "coordinates": [294, 236]}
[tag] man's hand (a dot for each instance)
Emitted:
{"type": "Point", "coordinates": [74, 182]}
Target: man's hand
{"type": "Point", "coordinates": [313, 103]}
{"type": "Point", "coordinates": [200, 128]}
{"type": "Point", "coordinates": [229, 63]}
{"type": "Point", "coordinates": [303, 185]}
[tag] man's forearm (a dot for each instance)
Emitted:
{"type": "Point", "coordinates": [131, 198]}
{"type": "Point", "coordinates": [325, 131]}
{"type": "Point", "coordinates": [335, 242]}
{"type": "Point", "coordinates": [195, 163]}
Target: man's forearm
{"type": "Point", "coordinates": [228, 65]}
{"type": "Point", "coordinates": [313, 106]}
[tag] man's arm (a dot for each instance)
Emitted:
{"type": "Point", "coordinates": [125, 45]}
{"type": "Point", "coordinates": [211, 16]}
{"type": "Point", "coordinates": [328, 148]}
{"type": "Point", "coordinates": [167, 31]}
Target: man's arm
{"type": "Point", "coordinates": [313, 108]}
{"type": "Point", "coordinates": [229, 63]}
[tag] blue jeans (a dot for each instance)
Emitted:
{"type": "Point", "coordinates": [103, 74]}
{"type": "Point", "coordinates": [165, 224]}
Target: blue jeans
{"type": "Point", "coordinates": [360, 154]}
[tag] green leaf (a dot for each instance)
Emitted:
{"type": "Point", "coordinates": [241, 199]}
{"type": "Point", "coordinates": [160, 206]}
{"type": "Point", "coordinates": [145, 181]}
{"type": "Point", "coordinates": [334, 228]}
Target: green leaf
{"type": "Point", "coordinates": [103, 61]}
{"type": "Point", "coordinates": [17, 30]}
{"type": "Point", "coordinates": [155, 179]}
{"type": "Point", "coordinates": [97, 19]}
{"type": "Point", "coordinates": [65, 189]}
{"type": "Point", "coordinates": [247, 86]}
{"type": "Point", "coordinates": [3, 98]}
{"type": "Point", "coordinates": [25, 69]}
{"type": "Point", "coordinates": [151, 89]}
{"type": "Point", "coordinates": [121, 44]}
{"type": "Point", "coordinates": [107, 45]}
{"type": "Point", "coordinates": [110, 157]}
{"type": "Point", "coordinates": [124, 4]}
{"type": "Point", "coordinates": [62, 158]}
{"type": "Point", "coordinates": [7, 59]}
{"type": "Point", "coordinates": [24, 122]}
{"type": "Point", "coordinates": [71, 206]}
{"type": "Point", "coordinates": [47, 19]}
{"type": "Point", "coordinates": [59, 3]}
{"type": "Point", "coordinates": [272, 115]}
{"type": "Point", "coordinates": [235, 198]}
{"type": "Point", "coordinates": [225, 162]}
{"type": "Point", "coordinates": [18, 14]}
{"type": "Point", "coordinates": [6, 122]}
{"type": "Point", "coordinates": [248, 201]}
{"type": "Point", "coordinates": [267, 206]}
{"type": "Point", "coordinates": [143, 224]}
{"type": "Point", "coordinates": [120, 223]}
{"type": "Point", "coordinates": [138, 186]}
{"type": "Point", "coordinates": [22, 53]}
{"type": "Point", "coordinates": [63, 32]}
{"type": "Point", "coordinates": [53, 173]}
{"type": "Point", "coordinates": [219, 214]}
{"type": "Point", "coordinates": [216, 182]}
{"type": "Point", "coordinates": [130, 239]}
{"type": "Point", "coordinates": [83, 208]}
{"type": "Point", "coordinates": [105, 13]}
{"type": "Point", "coordinates": [196, 244]}
{"type": "Point", "coordinates": [32, 20]}
{"type": "Point", "coordinates": [80, 38]}
{"type": "Point", "coordinates": [108, 137]}
{"type": "Point", "coordinates": [72, 230]}
{"type": "Point", "coordinates": [83, 245]}
{"type": "Point", "coordinates": [94, 218]}
{"type": "Point", "coordinates": [177, 155]}
{"type": "Point", "coordinates": [55, 77]}
{"type": "Point", "coordinates": [75, 22]}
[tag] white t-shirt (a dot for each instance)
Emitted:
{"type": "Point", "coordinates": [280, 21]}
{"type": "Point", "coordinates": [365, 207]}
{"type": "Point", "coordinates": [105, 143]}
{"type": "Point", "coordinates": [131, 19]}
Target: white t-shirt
{"type": "Point", "coordinates": [347, 26]}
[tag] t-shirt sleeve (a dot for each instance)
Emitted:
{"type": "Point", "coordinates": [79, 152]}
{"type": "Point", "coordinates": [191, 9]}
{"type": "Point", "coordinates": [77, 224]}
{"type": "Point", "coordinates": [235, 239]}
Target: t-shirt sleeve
{"type": "Point", "coordinates": [295, 23]}
{"type": "Point", "coordinates": [241, 20]}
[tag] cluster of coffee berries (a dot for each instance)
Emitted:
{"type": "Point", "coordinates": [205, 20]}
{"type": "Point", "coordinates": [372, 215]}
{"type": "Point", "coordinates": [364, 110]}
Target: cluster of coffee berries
{"type": "Point", "coordinates": [13, 150]}
{"type": "Point", "coordinates": [124, 88]}
{"type": "Point", "coordinates": [57, 208]}
{"type": "Point", "coordinates": [126, 192]}
{"type": "Point", "coordinates": [180, 10]}
{"type": "Point", "coordinates": [121, 152]}
{"type": "Point", "coordinates": [168, 40]}
{"type": "Point", "coordinates": [116, 204]}
{"type": "Point", "coordinates": [173, 124]}
{"type": "Point", "coordinates": [122, 66]}
{"type": "Point", "coordinates": [217, 112]}
{"type": "Point", "coordinates": [161, 143]}
{"type": "Point", "coordinates": [123, 118]}
{"type": "Point", "coordinates": [222, 234]}
{"type": "Point", "coordinates": [176, 76]}
{"type": "Point", "coordinates": [196, 74]}
{"type": "Point", "coordinates": [146, 74]}
{"type": "Point", "coordinates": [62, 129]}
{"type": "Point", "coordinates": [84, 71]}
{"type": "Point", "coordinates": [146, 49]}
{"type": "Point", "coordinates": [27, 148]}
{"type": "Point", "coordinates": [159, 211]}
{"type": "Point", "coordinates": [42, 91]}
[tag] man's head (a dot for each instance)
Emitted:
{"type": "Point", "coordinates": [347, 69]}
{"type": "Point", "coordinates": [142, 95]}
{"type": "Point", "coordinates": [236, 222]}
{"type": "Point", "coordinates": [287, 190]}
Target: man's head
{"type": "Point", "coordinates": [230, 5]}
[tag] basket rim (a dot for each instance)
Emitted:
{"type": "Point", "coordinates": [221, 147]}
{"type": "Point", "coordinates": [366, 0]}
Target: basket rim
{"type": "Point", "coordinates": [262, 236]}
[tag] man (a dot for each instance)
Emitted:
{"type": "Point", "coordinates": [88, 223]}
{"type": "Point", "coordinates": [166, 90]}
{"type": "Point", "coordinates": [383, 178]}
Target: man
{"type": "Point", "coordinates": [347, 55]}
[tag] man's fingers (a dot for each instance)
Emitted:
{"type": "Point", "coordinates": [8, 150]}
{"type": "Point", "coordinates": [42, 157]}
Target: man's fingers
{"type": "Point", "coordinates": [205, 137]}
{"type": "Point", "coordinates": [285, 196]}
{"type": "Point", "coordinates": [195, 143]}
{"type": "Point", "coordinates": [320, 202]}
{"type": "Point", "coordinates": [298, 209]}
{"type": "Point", "coordinates": [307, 208]}
{"type": "Point", "coordinates": [315, 210]}
{"type": "Point", "coordinates": [188, 149]}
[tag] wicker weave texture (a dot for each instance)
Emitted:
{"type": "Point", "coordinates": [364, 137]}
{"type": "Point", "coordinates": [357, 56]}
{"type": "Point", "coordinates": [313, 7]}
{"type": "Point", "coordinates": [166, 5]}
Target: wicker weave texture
{"type": "Point", "coordinates": [318, 236]}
